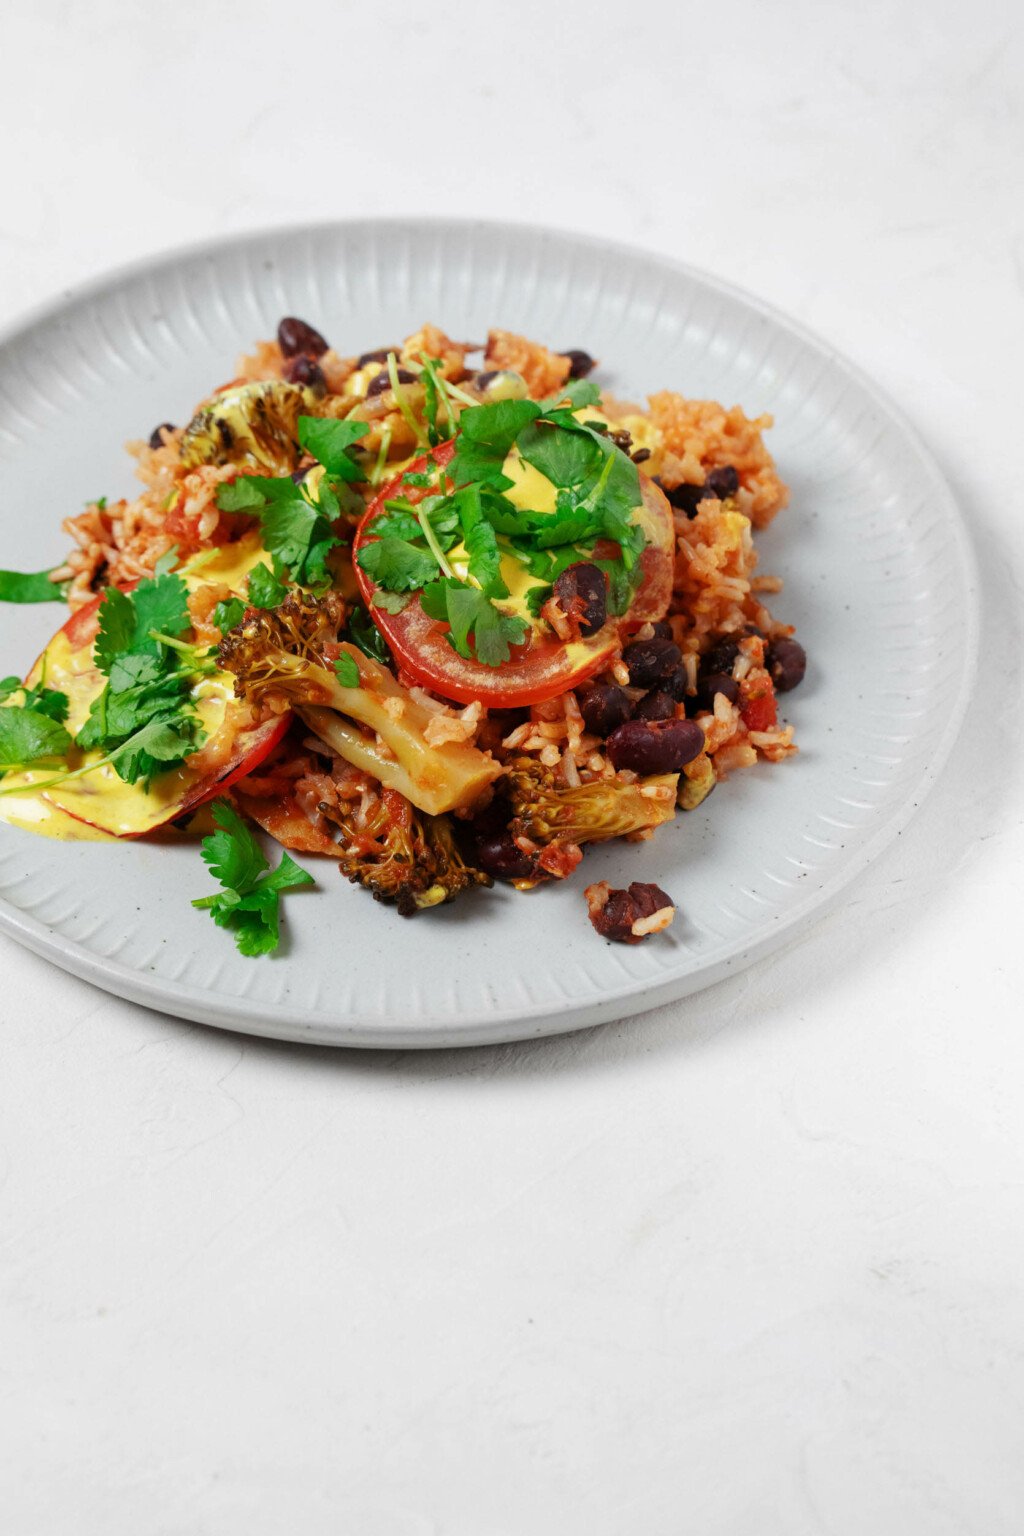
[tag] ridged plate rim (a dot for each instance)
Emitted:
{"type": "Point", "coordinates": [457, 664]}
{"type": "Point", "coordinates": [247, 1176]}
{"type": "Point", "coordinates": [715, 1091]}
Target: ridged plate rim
{"type": "Point", "coordinates": [388, 1030]}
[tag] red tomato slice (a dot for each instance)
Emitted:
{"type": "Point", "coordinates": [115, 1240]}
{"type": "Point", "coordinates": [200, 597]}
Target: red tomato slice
{"type": "Point", "coordinates": [235, 749]}
{"type": "Point", "coordinates": [543, 666]}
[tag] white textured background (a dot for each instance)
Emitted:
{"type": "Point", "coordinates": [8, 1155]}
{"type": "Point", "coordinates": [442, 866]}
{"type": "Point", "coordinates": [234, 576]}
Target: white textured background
{"type": "Point", "coordinates": [748, 1266]}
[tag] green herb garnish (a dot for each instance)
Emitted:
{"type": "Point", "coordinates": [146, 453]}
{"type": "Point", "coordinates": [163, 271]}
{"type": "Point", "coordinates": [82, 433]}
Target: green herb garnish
{"type": "Point", "coordinates": [28, 736]}
{"type": "Point", "coordinates": [264, 589]}
{"type": "Point", "coordinates": [248, 905]}
{"type": "Point", "coordinates": [346, 670]}
{"type": "Point", "coordinates": [34, 587]}
{"type": "Point", "coordinates": [297, 521]}
{"type": "Point", "coordinates": [228, 613]}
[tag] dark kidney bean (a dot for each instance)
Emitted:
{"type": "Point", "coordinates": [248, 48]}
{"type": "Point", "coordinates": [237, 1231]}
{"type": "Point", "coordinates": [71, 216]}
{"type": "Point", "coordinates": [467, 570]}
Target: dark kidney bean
{"type": "Point", "coordinates": [306, 371]}
{"type": "Point", "coordinates": [719, 658]}
{"type": "Point", "coordinates": [663, 629]}
{"type": "Point", "coordinates": [582, 594]}
{"type": "Point", "coordinates": [380, 356]}
{"type": "Point", "coordinates": [716, 682]}
{"type": "Point", "coordinates": [622, 909]}
{"type": "Point", "coordinates": [382, 381]}
{"type": "Point", "coordinates": [655, 746]}
{"type": "Point", "coordinates": [722, 482]}
{"type": "Point", "coordinates": [580, 363]}
{"type": "Point", "coordinates": [498, 855]}
{"type": "Point", "coordinates": [656, 705]}
{"type": "Point", "coordinates": [603, 707]}
{"type": "Point", "coordinates": [155, 439]}
{"type": "Point", "coordinates": [786, 661]}
{"type": "Point", "coordinates": [649, 661]}
{"type": "Point", "coordinates": [295, 336]}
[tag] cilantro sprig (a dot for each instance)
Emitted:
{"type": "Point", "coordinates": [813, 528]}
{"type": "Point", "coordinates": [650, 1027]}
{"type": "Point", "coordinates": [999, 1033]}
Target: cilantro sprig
{"type": "Point", "coordinates": [145, 719]}
{"type": "Point", "coordinates": [248, 905]}
{"type": "Point", "coordinates": [297, 521]}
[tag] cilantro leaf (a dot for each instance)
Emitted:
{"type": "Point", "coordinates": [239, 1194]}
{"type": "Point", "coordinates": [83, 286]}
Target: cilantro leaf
{"type": "Point", "coordinates": [328, 442]}
{"type": "Point", "coordinates": [494, 633]}
{"type": "Point", "coordinates": [228, 613]}
{"type": "Point", "coordinates": [144, 718]}
{"type": "Point", "coordinates": [396, 565]}
{"type": "Point", "coordinates": [481, 542]}
{"type": "Point", "coordinates": [300, 538]}
{"type": "Point", "coordinates": [45, 701]}
{"type": "Point", "coordinates": [467, 611]}
{"type": "Point", "coordinates": [563, 456]}
{"type": "Point", "coordinates": [30, 587]}
{"type": "Point", "coordinates": [233, 855]}
{"type": "Point", "coordinates": [346, 670]}
{"type": "Point", "coordinates": [486, 433]}
{"type": "Point", "coordinates": [242, 495]}
{"type": "Point", "coordinates": [126, 618]}
{"type": "Point", "coordinates": [154, 748]}
{"type": "Point", "coordinates": [576, 394]}
{"type": "Point", "coordinates": [248, 906]}
{"type": "Point", "coordinates": [265, 591]}
{"type": "Point", "coordinates": [364, 633]}
{"type": "Point", "coordinates": [27, 736]}
{"type": "Point", "coordinates": [296, 529]}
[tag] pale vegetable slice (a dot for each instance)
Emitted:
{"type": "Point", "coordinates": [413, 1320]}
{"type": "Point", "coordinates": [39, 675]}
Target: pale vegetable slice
{"type": "Point", "coordinates": [435, 778]}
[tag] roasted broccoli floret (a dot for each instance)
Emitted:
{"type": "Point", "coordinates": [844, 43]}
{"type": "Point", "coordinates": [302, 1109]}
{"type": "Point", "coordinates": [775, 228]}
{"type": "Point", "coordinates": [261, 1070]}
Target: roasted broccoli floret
{"type": "Point", "coordinates": [290, 658]}
{"type": "Point", "coordinates": [402, 855]}
{"type": "Point", "coordinates": [252, 425]}
{"type": "Point", "coordinates": [278, 654]}
{"type": "Point", "coordinates": [547, 812]}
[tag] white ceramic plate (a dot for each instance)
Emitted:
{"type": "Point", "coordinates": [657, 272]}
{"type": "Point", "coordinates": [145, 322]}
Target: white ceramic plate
{"type": "Point", "coordinates": [879, 580]}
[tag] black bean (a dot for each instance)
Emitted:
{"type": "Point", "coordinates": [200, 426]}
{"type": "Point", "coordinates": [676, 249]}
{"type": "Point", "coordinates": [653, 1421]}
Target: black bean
{"type": "Point", "coordinates": [722, 482]}
{"type": "Point", "coordinates": [684, 498]}
{"type": "Point", "coordinates": [305, 371]}
{"type": "Point", "coordinates": [655, 746]}
{"type": "Point", "coordinates": [663, 629]}
{"type": "Point", "coordinates": [581, 593]}
{"type": "Point", "coordinates": [580, 363]}
{"type": "Point", "coordinates": [719, 658]}
{"type": "Point", "coordinates": [295, 336]}
{"type": "Point", "coordinates": [649, 661]}
{"type": "Point", "coordinates": [498, 855]}
{"type": "Point", "coordinates": [382, 381]}
{"type": "Point", "coordinates": [676, 683]}
{"type": "Point", "coordinates": [641, 456]}
{"type": "Point", "coordinates": [380, 356]}
{"type": "Point", "coordinates": [716, 682]}
{"type": "Point", "coordinates": [155, 437]}
{"type": "Point", "coordinates": [656, 705]}
{"type": "Point", "coordinates": [786, 661]}
{"type": "Point", "coordinates": [603, 707]}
